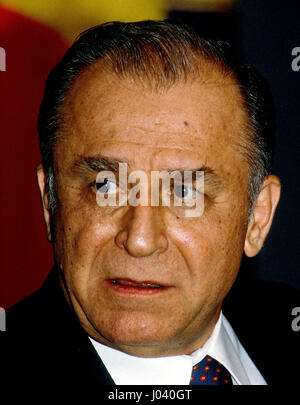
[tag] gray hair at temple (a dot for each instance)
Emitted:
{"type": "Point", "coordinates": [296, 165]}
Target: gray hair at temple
{"type": "Point", "coordinates": [160, 54]}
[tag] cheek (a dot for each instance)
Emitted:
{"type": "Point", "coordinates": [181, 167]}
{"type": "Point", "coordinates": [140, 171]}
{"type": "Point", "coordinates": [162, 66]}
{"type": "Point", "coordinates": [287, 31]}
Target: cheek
{"type": "Point", "coordinates": [79, 240]}
{"type": "Point", "coordinates": [79, 236]}
{"type": "Point", "coordinates": [212, 249]}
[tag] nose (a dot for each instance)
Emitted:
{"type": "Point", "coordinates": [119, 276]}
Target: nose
{"type": "Point", "coordinates": [143, 233]}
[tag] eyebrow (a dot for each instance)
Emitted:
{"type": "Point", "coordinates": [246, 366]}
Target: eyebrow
{"type": "Point", "coordinates": [211, 177]}
{"type": "Point", "coordinates": [94, 164]}
{"type": "Point", "coordinates": [205, 169]}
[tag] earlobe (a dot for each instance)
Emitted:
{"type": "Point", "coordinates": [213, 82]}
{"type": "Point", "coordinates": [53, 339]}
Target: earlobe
{"type": "Point", "coordinates": [41, 178]}
{"type": "Point", "coordinates": [262, 215]}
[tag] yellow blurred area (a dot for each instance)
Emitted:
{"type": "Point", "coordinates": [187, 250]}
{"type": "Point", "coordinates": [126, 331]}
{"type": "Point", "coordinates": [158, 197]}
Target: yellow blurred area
{"type": "Point", "coordinates": [70, 17]}
{"type": "Point", "coordinates": [202, 5]}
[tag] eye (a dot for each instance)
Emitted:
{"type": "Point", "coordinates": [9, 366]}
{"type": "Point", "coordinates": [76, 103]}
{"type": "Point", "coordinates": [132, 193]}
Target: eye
{"type": "Point", "coordinates": [106, 187]}
{"type": "Point", "coordinates": [185, 192]}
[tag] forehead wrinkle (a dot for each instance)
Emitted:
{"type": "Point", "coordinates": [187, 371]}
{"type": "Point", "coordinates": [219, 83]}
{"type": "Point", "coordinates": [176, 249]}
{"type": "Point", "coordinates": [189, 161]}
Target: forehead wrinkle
{"type": "Point", "coordinates": [74, 95]}
{"type": "Point", "coordinates": [189, 135]}
{"type": "Point", "coordinates": [156, 160]}
{"type": "Point", "coordinates": [150, 146]}
{"type": "Point", "coordinates": [69, 103]}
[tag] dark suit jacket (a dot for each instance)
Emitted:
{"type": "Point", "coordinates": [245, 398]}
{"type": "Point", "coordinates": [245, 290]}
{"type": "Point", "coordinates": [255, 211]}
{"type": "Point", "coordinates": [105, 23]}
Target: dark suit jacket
{"type": "Point", "coordinates": [44, 340]}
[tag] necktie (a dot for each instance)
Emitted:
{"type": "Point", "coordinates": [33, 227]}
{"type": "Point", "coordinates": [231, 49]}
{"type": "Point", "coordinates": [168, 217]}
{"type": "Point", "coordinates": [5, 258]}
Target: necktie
{"type": "Point", "coordinates": [210, 372]}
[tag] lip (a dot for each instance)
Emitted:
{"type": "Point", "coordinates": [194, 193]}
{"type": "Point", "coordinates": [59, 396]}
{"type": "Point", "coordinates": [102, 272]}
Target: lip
{"type": "Point", "coordinates": [134, 287]}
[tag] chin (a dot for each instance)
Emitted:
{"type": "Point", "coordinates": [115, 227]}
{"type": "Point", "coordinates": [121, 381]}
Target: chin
{"type": "Point", "coordinates": [134, 330]}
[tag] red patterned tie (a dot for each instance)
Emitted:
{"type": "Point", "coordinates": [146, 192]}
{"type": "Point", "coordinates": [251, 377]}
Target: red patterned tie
{"type": "Point", "coordinates": [210, 372]}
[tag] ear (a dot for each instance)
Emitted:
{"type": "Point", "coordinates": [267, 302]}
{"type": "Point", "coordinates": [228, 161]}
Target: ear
{"type": "Point", "coordinates": [41, 178]}
{"type": "Point", "coordinates": [262, 216]}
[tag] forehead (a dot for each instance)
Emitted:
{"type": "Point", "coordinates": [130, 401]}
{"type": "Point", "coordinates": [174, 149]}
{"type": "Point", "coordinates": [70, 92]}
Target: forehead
{"type": "Point", "coordinates": [127, 121]}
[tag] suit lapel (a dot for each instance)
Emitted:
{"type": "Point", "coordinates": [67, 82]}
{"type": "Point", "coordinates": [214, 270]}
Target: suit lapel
{"type": "Point", "coordinates": [67, 340]}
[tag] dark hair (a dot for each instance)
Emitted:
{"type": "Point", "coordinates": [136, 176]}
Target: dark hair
{"type": "Point", "coordinates": [161, 53]}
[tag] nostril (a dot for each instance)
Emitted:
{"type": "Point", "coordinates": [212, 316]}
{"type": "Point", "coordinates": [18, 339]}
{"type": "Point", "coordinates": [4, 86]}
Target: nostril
{"type": "Point", "coordinates": [120, 239]}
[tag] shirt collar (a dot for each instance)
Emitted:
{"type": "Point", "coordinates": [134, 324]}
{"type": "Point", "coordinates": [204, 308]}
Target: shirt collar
{"type": "Point", "coordinates": [175, 370]}
{"type": "Point", "coordinates": [226, 350]}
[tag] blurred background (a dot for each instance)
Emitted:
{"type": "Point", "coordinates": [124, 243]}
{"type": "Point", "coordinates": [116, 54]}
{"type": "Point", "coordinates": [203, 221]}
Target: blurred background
{"type": "Point", "coordinates": [36, 33]}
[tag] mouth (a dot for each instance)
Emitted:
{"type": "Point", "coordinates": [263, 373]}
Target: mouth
{"type": "Point", "coordinates": [128, 286]}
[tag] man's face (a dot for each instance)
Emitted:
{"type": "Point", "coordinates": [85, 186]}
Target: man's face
{"type": "Point", "coordinates": [106, 253]}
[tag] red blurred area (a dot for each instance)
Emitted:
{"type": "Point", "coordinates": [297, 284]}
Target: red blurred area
{"type": "Point", "coordinates": [32, 49]}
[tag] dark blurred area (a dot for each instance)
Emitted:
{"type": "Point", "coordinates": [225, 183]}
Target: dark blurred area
{"type": "Point", "coordinates": [263, 33]}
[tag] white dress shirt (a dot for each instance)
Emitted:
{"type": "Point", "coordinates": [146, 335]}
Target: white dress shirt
{"type": "Point", "coordinates": [223, 345]}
